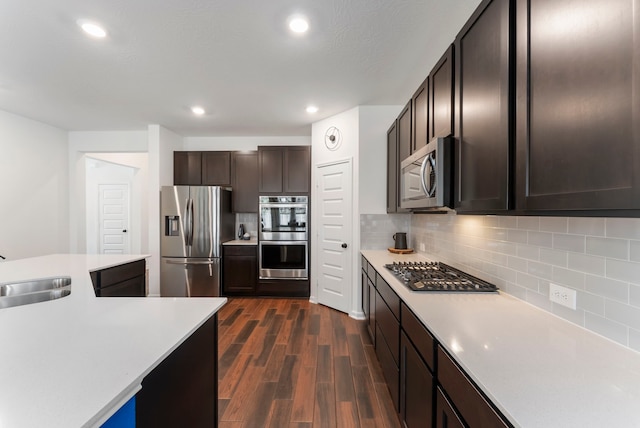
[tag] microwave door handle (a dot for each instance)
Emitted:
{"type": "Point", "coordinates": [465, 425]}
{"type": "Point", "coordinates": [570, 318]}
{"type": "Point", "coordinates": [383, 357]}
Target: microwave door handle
{"type": "Point", "coordinates": [423, 169]}
{"type": "Point", "coordinates": [432, 163]}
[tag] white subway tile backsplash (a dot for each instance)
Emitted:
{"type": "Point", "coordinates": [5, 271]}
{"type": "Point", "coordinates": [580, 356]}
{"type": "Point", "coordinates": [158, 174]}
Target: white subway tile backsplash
{"type": "Point", "coordinates": [528, 223]}
{"type": "Point", "coordinates": [634, 295]}
{"type": "Point", "coordinates": [627, 228]}
{"type": "Point", "coordinates": [634, 251]}
{"type": "Point", "coordinates": [554, 224]}
{"type": "Point", "coordinates": [591, 303]}
{"type": "Point", "coordinates": [634, 339]}
{"type": "Point", "coordinates": [607, 288]}
{"type": "Point", "coordinates": [569, 278]}
{"type": "Point", "coordinates": [587, 226]}
{"type": "Point", "coordinates": [575, 243]}
{"type": "Point", "coordinates": [608, 247]}
{"type": "Point", "coordinates": [589, 264]}
{"type": "Point", "coordinates": [522, 255]}
{"type": "Point", "coordinates": [624, 314]}
{"type": "Point", "coordinates": [624, 271]}
{"type": "Point", "coordinates": [554, 257]}
{"type": "Point", "coordinates": [541, 239]}
{"type": "Point", "coordinates": [607, 328]}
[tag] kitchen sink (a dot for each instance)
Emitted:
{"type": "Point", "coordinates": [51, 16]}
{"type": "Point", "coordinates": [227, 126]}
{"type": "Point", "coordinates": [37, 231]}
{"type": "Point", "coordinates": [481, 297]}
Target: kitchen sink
{"type": "Point", "coordinates": [34, 291]}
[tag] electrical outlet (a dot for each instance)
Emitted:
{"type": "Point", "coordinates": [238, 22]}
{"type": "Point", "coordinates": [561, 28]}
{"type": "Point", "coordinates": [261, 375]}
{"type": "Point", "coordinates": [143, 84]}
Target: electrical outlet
{"type": "Point", "coordinates": [422, 246]}
{"type": "Point", "coordinates": [562, 295]}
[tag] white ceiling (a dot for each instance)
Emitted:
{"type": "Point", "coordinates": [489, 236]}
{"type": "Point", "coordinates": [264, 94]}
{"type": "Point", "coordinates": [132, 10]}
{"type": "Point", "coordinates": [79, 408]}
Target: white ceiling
{"type": "Point", "coordinates": [236, 58]}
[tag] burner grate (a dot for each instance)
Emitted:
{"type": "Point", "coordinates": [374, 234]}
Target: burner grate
{"type": "Point", "coordinates": [437, 276]}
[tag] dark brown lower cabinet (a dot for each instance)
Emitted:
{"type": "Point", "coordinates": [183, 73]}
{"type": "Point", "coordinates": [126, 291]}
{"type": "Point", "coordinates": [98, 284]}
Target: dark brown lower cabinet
{"type": "Point", "coordinates": [182, 391]}
{"type": "Point", "coordinates": [239, 269]}
{"type": "Point", "coordinates": [387, 337]}
{"type": "Point", "coordinates": [372, 311]}
{"type": "Point", "coordinates": [389, 367]}
{"type": "Point", "coordinates": [127, 280]}
{"type": "Point", "coordinates": [446, 416]}
{"type": "Point", "coordinates": [416, 387]}
{"type": "Point", "coordinates": [471, 405]}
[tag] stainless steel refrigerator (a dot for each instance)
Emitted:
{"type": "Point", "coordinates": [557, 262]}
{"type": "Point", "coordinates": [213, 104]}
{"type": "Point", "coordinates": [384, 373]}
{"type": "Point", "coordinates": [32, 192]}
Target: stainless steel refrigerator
{"type": "Point", "coordinates": [195, 221]}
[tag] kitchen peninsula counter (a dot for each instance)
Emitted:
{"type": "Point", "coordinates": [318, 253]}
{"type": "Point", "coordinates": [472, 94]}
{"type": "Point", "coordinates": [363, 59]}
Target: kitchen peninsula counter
{"type": "Point", "coordinates": [73, 361]}
{"type": "Point", "coordinates": [538, 369]}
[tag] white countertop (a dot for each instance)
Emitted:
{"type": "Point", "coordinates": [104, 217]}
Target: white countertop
{"type": "Point", "coordinates": [252, 241]}
{"type": "Point", "coordinates": [73, 361]}
{"type": "Point", "coordinates": [538, 369]}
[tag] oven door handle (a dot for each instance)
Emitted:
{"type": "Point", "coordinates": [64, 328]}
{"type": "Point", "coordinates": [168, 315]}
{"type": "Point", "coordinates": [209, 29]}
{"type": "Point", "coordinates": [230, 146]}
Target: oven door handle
{"type": "Point", "coordinates": [174, 262]}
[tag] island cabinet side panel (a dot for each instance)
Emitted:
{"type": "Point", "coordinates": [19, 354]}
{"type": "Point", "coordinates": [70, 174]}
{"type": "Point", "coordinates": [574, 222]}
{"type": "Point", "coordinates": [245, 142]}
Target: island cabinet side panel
{"type": "Point", "coordinates": [183, 389]}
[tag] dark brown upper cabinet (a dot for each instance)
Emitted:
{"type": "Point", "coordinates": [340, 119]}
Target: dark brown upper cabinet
{"type": "Point", "coordinates": [392, 168]}
{"type": "Point", "coordinates": [187, 168]}
{"type": "Point", "coordinates": [202, 168]}
{"type": "Point", "coordinates": [441, 96]}
{"type": "Point", "coordinates": [216, 168]}
{"type": "Point", "coordinates": [578, 104]}
{"type": "Point", "coordinates": [245, 182]}
{"type": "Point", "coordinates": [420, 119]}
{"type": "Point", "coordinates": [483, 109]}
{"type": "Point", "coordinates": [284, 169]}
{"type": "Point", "coordinates": [404, 133]}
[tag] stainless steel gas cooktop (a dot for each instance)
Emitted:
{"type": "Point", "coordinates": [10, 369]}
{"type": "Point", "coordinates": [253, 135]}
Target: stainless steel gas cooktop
{"type": "Point", "coordinates": [436, 276]}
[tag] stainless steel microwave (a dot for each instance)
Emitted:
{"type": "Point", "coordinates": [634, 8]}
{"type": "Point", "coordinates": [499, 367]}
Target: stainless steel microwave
{"type": "Point", "coordinates": [426, 177]}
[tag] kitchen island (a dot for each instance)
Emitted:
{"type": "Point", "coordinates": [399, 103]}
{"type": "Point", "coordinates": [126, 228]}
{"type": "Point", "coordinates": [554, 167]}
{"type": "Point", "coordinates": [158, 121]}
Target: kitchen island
{"type": "Point", "coordinates": [536, 369]}
{"type": "Point", "coordinates": [74, 361]}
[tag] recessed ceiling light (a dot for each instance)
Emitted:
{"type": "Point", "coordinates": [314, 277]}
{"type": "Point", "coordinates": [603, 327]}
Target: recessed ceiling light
{"type": "Point", "coordinates": [312, 109]}
{"type": "Point", "coordinates": [298, 24]}
{"type": "Point", "coordinates": [92, 29]}
{"type": "Point", "coordinates": [198, 111]}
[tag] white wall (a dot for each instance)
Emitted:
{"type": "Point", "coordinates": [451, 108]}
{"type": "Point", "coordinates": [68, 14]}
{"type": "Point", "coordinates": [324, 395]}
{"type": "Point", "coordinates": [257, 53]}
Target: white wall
{"type": "Point", "coordinates": [374, 123]}
{"type": "Point", "coordinates": [162, 143]}
{"type": "Point", "coordinates": [81, 143]}
{"type": "Point", "coordinates": [34, 189]}
{"type": "Point", "coordinates": [241, 143]}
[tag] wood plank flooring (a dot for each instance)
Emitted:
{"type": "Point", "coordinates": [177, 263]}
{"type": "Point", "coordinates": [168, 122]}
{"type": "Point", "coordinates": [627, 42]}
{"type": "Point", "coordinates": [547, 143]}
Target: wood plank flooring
{"type": "Point", "coordinates": [290, 363]}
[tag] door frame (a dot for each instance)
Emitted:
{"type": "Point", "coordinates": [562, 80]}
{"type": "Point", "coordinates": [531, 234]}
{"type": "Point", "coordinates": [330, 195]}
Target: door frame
{"type": "Point", "coordinates": [354, 239]}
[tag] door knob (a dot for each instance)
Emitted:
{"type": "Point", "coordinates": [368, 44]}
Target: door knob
{"type": "Point", "coordinates": [344, 245]}
{"type": "Point", "coordinates": [124, 230]}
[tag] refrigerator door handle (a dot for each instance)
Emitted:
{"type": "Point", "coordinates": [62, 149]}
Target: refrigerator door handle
{"type": "Point", "coordinates": [189, 223]}
{"type": "Point", "coordinates": [175, 262]}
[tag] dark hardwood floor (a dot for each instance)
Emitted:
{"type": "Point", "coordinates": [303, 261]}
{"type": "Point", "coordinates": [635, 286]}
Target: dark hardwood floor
{"type": "Point", "coordinates": [290, 363]}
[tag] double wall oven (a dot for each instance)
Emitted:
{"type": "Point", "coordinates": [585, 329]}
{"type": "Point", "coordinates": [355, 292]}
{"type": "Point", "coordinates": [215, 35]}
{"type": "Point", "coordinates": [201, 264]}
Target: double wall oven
{"type": "Point", "coordinates": [283, 237]}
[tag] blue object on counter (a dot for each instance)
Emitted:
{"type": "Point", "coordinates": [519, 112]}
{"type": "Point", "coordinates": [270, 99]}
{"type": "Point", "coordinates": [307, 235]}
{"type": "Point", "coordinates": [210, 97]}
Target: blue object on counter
{"type": "Point", "coordinates": [125, 417]}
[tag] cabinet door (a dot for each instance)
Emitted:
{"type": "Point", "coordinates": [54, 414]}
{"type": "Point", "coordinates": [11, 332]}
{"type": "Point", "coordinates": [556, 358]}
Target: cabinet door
{"type": "Point", "coordinates": [420, 119]}
{"type": "Point", "coordinates": [404, 133]}
{"type": "Point", "coordinates": [416, 388]}
{"type": "Point", "coordinates": [441, 97]}
{"type": "Point", "coordinates": [578, 103]}
{"type": "Point", "coordinates": [270, 164]}
{"type": "Point", "coordinates": [297, 169]}
{"type": "Point", "coordinates": [371, 326]}
{"type": "Point", "coordinates": [446, 416]}
{"type": "Point", "coordinates": [392, 169]}
{"type": "Point", "coordinates": [240, 269]}
{"type": "Point", "coordinates": [216, 168]}
{"type": "Point", "coordinates": [245, 182]}
{"type": "Point", "coordinates": [187, 168]}
{"type": "Point", "coordinates": [483, 109]}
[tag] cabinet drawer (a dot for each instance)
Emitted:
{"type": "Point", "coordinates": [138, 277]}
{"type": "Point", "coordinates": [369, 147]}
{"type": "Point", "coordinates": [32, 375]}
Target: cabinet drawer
{"type": "Point", "coordinates": [121, 273]}
{"type": "Point", "coordinates": [389, 327]}
{"type": "Point", "coordinates": [471, 404]}
{"type": "Point", "coordinates": [240, 250]}
{"type": "Point", "coordinates": [134, 287]}
{"type": "Point", "coordinates": [371, 272]}
{"type": "Point", "coordinates": [446, 416]}
{"type": "Point", "coordinates": [389, 296]}
{"type": "Point", "coordinates": [419, 336]}
{"type": "Point", "coordinates": [389, 367]}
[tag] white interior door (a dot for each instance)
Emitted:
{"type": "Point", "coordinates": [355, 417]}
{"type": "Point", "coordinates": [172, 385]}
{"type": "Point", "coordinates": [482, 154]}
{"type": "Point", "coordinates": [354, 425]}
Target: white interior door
{"type": "Point", "coordinates": [333, 243]}
{"type": "Point", "coordinates": [114, 218]}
